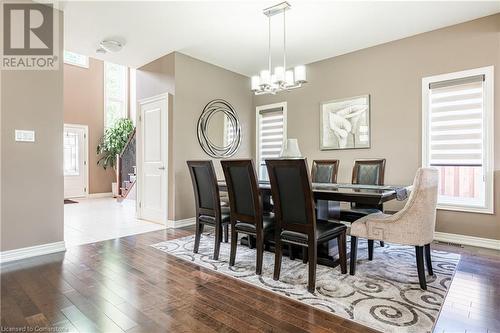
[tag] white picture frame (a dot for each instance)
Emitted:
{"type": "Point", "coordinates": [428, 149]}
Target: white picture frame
{"type": "Point", "coordinates": [345, 123]}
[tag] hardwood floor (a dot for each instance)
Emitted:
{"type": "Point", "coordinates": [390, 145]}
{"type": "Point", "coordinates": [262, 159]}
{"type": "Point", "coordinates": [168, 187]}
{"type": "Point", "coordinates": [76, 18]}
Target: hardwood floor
{"type": "Point", "coordinates": [125, 285]}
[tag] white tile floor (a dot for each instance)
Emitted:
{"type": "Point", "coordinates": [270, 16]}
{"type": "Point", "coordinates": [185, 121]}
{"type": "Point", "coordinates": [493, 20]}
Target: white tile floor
{"type": "Point", "coordinates": [94, 220]}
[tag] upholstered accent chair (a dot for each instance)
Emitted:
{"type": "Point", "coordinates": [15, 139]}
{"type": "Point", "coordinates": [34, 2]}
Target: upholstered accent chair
{"type": "Point", "coordinates": [413, 225]}
{"type": "Point", "coordinates": [324, 171]}
{"type": "Point", "coordinates": [208, 204]}
{"type": "Point", "coordinates": [246, 212]}
{"type": "Point", "coordinates": [295, 216]}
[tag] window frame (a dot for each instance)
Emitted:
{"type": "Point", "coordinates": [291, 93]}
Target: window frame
{"type": "Point", "coordinates": [259, 108]}
{"type": "Point", "coordinates": [125, 91]}
{"type": "Point", "coordinates": [488, 134]}
{"type": "Point", "coordinates": [72, 63]}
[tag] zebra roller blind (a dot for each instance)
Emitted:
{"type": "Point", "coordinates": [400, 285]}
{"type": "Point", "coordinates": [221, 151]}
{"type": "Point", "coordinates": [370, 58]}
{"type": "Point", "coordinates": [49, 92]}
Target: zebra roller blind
{"type": "Point", "coordinates": [456, 122]}
{"type": "Point", "coordinates": [271, 135]}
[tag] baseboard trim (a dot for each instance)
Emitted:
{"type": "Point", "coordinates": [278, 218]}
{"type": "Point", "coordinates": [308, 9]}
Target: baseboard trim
{"type": "Point", "coordinates": [101, 195]}
{"type": "Point", "coordinates": [468, 240]}
{"type": "Point", "coordinates": [181, 223]}
{"type": "Point", "coordinates": [32, 251]}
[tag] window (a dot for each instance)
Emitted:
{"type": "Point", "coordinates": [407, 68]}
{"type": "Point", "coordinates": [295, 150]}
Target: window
{"type": "Point", "coordinates": [271, 133]}
{"type": "Point", "coordinates": [115, 93]}
{"type": "Point", "coordinates": [458, 137]}
{"type": "Point", "coordinates": [76, 59]}
{"type": "Point", "coordinates": [71, 154]}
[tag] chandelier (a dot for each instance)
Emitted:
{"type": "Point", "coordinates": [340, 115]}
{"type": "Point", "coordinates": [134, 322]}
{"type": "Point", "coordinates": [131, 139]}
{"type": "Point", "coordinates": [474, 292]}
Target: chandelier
{"type": "Point", "coordinates": [282, 78]}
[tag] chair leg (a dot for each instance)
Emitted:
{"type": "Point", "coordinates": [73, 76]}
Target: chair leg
{"type": "Point", "coordinates": [312, 250]}
{"type": "Point", "coordinates": [250, 242]}
{"type": "Point", "coordinates": [428, 260]}
{"type": "Point", "coordinates": [304, 255]}
{"type": "Point", "coordinates": [277, 260]}
{"type": "Point", "coordinates": [370, 249]}
{"type": "Point", "coordinates": [234, 241]}
{"type": "Point", "coordinates": [419, 251]}
{"type": "Point", "coordinates": [226, 233]}
{"type": "Point", "coordinates": [341, 244]}
{"type": "Point", "coordinates": [197, 236]}
{"type": "Point", "coordinates": [354, 254]}
{"type": "Point", "coordinates": [382, 244]}
{"type": "Point", "coordinates": [218, 239]}
{"type": "Point", "coordinates": [290, 252]}
{"type": "Point", "coordinates": [260, 253]}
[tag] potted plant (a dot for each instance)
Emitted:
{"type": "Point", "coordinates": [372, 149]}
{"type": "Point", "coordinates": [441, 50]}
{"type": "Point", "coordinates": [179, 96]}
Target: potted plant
{"type": "Point", "coordinates": [112, 143]}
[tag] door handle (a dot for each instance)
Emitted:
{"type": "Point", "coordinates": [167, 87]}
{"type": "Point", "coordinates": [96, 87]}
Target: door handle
{"type": "Point", "coordinates": [161, 168]}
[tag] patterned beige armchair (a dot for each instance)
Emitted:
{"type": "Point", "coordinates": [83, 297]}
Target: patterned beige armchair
{"type": "Point", "coordinates": [413, 225]}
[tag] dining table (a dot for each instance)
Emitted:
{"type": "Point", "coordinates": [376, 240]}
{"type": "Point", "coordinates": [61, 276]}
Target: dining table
{"type": "Point", "coordinates": [328, 197]}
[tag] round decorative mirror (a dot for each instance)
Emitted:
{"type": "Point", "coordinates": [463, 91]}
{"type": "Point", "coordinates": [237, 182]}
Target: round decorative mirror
{"type": "Point", "coordinates": [219, 130]}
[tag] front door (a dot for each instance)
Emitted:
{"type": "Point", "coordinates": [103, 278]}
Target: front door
{"type": "Point", "coordinates": [75, 161]}
{"type": "Point", "coordinates": [153, 125]}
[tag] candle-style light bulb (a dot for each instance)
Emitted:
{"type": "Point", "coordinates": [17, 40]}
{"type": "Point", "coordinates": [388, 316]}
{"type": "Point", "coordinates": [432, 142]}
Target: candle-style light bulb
{"type": "Point", "coordinates": [255, 83]}
{"type": "Point", "coordinates": [300, 74]}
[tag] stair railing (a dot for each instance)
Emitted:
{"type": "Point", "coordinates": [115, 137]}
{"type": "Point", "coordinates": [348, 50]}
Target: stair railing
{"type": "Point", "coordinates": [125, 164]}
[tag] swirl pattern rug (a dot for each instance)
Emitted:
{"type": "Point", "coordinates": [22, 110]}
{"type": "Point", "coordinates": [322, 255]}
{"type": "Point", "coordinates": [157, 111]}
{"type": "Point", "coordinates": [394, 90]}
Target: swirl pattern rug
{"type": "Point", "coordinates": [384, 294]}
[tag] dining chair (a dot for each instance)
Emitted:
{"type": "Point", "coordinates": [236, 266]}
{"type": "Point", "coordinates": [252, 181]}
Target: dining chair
{"type": "Point", "coordinates": [365, 172]}
{"type": "Point", "coordinates": [324, 171]}
{"type": "Point", "coordinates": [295, 216]}
{"type": "Point", "coordinates": [208, 204]}
{"type": "Point", "coordinates": [246, 213]}
{"type": "Point", "coordinates": [413, 225]}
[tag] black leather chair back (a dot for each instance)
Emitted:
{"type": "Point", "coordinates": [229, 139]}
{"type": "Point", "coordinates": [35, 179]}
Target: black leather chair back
{"type": "Point", "coordinates": [205, 187]}
{"type": "Point", "coordinates": [292, 195]}
{"type": "Point", "coordinates": [324, 171]}
{"type": "Point", "coordinates": [368, 172]}
{"type": "Point", "coordinates": [242, 187]}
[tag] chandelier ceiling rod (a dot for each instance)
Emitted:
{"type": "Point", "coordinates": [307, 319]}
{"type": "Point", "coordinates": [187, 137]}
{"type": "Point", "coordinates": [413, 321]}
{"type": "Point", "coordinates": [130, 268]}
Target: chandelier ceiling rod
{"type": "Point", "coordinates": [281, 79]}
{"type": "Point", "coordinates": [269, 54]}
{"type": "Point", "coordinates": [284, 42]}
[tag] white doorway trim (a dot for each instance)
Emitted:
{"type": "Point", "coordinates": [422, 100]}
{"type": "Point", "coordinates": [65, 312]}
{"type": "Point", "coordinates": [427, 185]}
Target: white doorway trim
{"type": "Point", "coordinates": [140, 137]}
{"type": "Point", "coordinates": [85, 154]}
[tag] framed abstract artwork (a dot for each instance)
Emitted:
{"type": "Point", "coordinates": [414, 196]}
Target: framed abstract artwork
{"type": "Point", "coordinates": [345, 123]}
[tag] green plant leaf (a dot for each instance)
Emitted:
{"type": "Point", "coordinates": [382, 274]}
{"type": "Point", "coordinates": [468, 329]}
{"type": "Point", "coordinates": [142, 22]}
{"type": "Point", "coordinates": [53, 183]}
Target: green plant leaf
{"type": "Point", "coordinates": [113, 141]}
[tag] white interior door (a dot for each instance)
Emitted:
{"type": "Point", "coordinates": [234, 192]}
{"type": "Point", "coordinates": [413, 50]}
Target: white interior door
{"type": "Point", "coordinates": [75, 161]}
{"type": "Point", "coordinates": [153, 126]}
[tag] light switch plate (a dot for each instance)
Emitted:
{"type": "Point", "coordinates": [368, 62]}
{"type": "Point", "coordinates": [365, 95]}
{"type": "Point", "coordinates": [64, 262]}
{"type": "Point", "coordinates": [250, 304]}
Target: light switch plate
{"type": "Point", "coordinates": [25, 136]}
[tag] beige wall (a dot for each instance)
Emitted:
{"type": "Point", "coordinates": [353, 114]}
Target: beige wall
{"type": "Point", "coordinates": [196, 84]}
{"type": "Point", "coordinates": [392, 74]}
{"type": "Point", "coordinates": [31, 173]}
{"type": "Point", "coordinates": [193, 83]}
{"type": "Point", "coordinates": [155, 78]}
{"type": "Point", "coordinates": [84, 105]}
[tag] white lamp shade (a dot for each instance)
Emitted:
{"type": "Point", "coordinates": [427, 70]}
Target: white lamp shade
{"type": "Point", "coordinates": [289, 78]}
{"type": "Point", "coordinates": [290, 149]}
{"type": "Point", "coordinates": [279, 74]}
{"type": "Point", "coordinates": [255, 82]}
{"type": "Point", "coordinates": [265, 77]}
{"type": "Point", "coordinates": [300, 73]}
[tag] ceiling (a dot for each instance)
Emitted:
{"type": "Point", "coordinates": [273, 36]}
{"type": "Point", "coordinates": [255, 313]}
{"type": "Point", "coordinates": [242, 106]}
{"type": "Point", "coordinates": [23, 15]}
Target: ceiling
{"type": "Point", "coordinates": [233, 34]}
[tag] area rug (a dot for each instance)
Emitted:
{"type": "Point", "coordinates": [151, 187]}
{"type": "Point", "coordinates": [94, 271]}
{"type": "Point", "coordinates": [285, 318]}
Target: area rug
{"type": "Point", "coordinates": [384, 294]}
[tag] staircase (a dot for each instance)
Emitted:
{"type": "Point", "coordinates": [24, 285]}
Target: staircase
{"type": "Point", "coordinates": [127, 185]}
{"type": "Point", "coordinates": [126, 171]}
